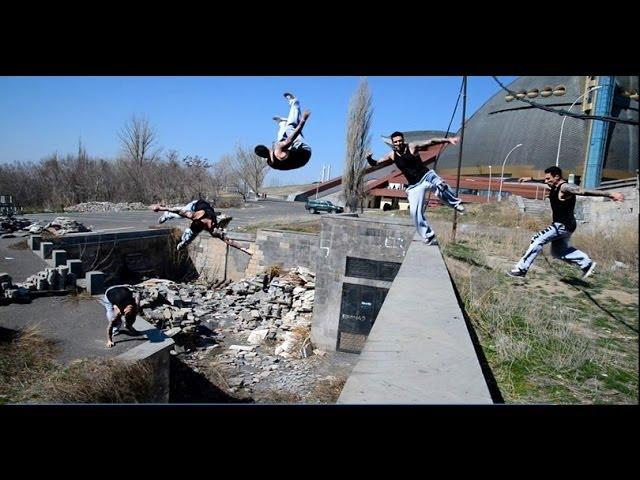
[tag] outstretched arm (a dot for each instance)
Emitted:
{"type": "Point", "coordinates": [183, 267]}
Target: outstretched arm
{"type": "Point", "coordinates": [576, 190]}
{"type": "Point", "coordinates": [415, 146]}
{"type": "Point", "coordinates": [161, 208]}
{"type": "Point", "coordinates": [530, 179]}
{"type": "Point", "coordinates": [177, 210]}
{"type": "Point", "coordinates": [384, 158]}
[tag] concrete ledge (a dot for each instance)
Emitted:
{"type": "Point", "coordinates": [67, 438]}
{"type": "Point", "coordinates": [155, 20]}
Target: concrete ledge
{"type": "Point", "coordinates": [155, 351]}
{"type": "Point", "coordinates": [286, 232]}
{"type": "Point", "coordinates": [419, 350]}
{"type": "Point", "coordinates": [89, 238]}
{"type": "Point", "coordinates": [245, 237]}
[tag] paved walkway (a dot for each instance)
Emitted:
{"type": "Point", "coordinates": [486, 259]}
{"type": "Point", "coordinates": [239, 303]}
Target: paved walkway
{"type": "Point", "coordinates": [77, 323]}
{"type": "Point", "coordinates": [419, 350]}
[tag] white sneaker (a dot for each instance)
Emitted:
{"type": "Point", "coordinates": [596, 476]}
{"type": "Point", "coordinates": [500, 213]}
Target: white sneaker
{"type": "Point", "coordinates": [588, 270]}
{"type": "Point", "coordinates": [164, 217]}
{"type": "Point", "coordinates": [115, 331]}
{"type": "Point", "coordinates": [459, 208]}
{"type": "Point", "coordinates": [516, 272]}
{"type": "Point", "coordinates": [432, 240]}
{"type": "Point", "coordinates": [223, 220]}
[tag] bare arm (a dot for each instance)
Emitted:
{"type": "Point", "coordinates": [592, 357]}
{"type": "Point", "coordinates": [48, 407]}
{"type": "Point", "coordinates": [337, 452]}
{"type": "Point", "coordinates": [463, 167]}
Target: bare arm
{"type": "Point", "coordinates": [384, 158]}
{"type": "Point", "coordinates": [177, 210]}
{"type": "Point", "coordinates": [530, 179]}
{"type": "Point", "coordinates": [110, 327]}
{"type": "Point", "coordinates": [415, 146]}
{"type": "Point", "coordinates": [162, 208]}
{"type": "Point", "coordinates": [289, 141]}
{"type": "Point", "coordinates": [576, 190]}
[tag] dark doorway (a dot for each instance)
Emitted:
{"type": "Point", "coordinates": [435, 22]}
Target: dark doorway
{"type": "Point", "coordinates": [358, 312]}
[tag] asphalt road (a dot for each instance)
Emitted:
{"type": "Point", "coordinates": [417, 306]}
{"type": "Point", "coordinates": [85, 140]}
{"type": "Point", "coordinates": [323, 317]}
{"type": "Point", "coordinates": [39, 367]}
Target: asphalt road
{"type": "Point", "coordinates": [77, 323]}
{"type": "Point", "coordinates": [252, 212]}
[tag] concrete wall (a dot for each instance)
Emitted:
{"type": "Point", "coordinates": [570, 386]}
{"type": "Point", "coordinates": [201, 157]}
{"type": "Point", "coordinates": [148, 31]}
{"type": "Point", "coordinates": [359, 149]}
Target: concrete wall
{"type": "Point", "coordinates": [601, 215]}
{"type": "Point", "coordinates": [212, 258]}
{"type": "Point", "coordinates": [155, 353]}
{"type": "Point", "coordinates": [593, 214]}
{"type": "Point", "coordinates": [344, 236]}
{"type": "Point", "coordinates": [285, 249]}
{"type": "Point", "coordinates": [119, 255]}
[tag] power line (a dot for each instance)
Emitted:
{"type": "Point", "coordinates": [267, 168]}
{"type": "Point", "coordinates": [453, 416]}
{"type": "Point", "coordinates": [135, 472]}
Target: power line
{"type": "Point", "coordinates": [604, 118]}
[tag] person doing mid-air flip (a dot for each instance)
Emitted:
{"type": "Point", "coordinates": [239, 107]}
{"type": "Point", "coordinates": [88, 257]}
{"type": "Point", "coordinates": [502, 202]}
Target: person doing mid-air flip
{"type": "Point", "coordinates": [202, 216]}
{"type": "Point", "coordinates": [289, 151]}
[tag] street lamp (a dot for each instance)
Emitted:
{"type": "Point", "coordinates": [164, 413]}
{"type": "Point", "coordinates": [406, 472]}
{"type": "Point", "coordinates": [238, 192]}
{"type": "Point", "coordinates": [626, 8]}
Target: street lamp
{"type": "Point", "coordinates": [502, 172]}
{"type": "Point", "coordinates": [565, 117]}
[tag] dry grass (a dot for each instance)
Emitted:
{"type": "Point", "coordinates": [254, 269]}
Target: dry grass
{"type": "Point", "coordinates": [29, 374]}
{"type": "Point", "coordinates": [552, 344]}
{"type": "Point", "coordinates": [279, 396]}
{"type": "Point", "coordinates": [552, 339]}
{"type": "Point", "coordinates": [22, 358]}
{"type": "Point", "coordinates": [21, 245]}
{"type": "Point", "coordinates": [541, 350]}
{"type": "Point", "coordinates": [326, 390]}
{"type": "Point", "coordinates": [94, 381]}
{"type": "Point", "coordinates": [274, 271]}
{"type": "Point", "coordinates": [619, 245]}
{"type": "Point", "coordinates": [304, 226]}
{"type": "Point", "coordinates": [300, 337]}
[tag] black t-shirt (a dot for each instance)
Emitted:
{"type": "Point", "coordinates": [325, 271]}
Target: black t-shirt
{"type": "Point", "coordinates": [298, 157]}
{"type": "Point", "coordinates": [208, 209]}
{"type": "Point", "coordinates": [563, 209]}
{"type": "Point", "coordinates": [410, 165]}
{"type": "Point", "coordinates": [120, 296]}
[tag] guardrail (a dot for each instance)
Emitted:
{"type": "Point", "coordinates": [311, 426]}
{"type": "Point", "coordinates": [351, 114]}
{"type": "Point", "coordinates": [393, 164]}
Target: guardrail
{"type": "Point", "coordinates": [623, 182]}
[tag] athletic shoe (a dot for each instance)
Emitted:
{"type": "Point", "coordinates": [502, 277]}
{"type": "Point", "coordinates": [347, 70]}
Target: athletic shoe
{"type": "Point", "coordinates": [516, 272]}
{"type": "Point", "coordinates": [588, 270]}
{"type": "Point", "coordinates": [164, 217]}
{"type": "Point", "coordinates": [223, 220]}
{"type": "Point", "coordinates": [432, 240]}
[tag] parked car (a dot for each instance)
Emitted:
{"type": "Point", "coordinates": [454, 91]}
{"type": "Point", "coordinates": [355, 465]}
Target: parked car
{"type": "Point", "coordinates": [316, 206]}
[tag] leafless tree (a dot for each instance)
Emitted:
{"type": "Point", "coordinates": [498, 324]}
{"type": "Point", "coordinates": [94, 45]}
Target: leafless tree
{"type": "Point", "coordinates": [198, 179]}
{"type": "Point", "coordinates": [138, 140]}
{"type": "Point", "coordinates": [225, 179]}
{"type": "Point", "coordinates": [358, 141]}
{"type": "Point", "coordinates": [248, 168]}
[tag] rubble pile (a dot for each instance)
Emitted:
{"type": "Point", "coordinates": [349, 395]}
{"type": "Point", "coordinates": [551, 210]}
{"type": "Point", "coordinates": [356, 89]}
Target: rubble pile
{"type": "Point", "coordinates": [10, 224]}
{"type": "Point", "coordinates": [58, 278]}
{"type": "Point", "coordinates": [59, 226]}
{"type": "Point", "coordinates": [245, 307]}
{"type": "Point", "coordinates": [257, 327]}
{"type": "Point", "coordinates": [10, 292]}
{"type": "Point", "coordinates": [105, 207]}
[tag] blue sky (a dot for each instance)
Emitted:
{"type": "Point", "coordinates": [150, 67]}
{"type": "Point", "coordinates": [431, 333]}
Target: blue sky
{"type": "Point", "coordinates": [207, 116]}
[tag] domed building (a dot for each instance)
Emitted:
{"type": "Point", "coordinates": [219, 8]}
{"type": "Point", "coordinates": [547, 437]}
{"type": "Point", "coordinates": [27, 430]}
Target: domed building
{"type": "Point", "coordinates": [492, 133]}
{"type": "Point", "coordinates": [504, 122]}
